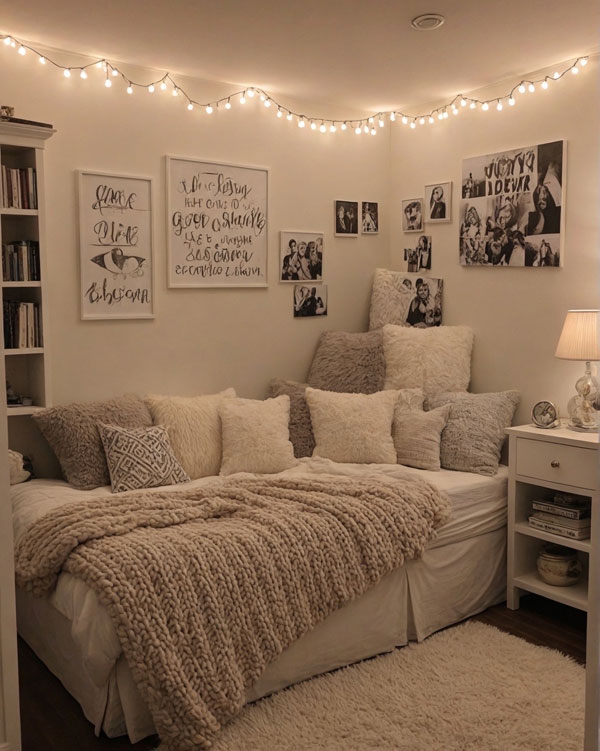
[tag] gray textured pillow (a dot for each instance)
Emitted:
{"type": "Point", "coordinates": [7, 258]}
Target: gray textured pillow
{"type": "Point", "coordinates": [301, 432]}
{"type": "Point", "coordinates": [350, 363]}
{"type": "Point", "coordinates": [417, 436]}
{"type": "Point", "coordinates": [140, 458]}
{"type": "Point", "coordinates": [473, 437]}
{"type": "Point", "coordinates": [72, 432]}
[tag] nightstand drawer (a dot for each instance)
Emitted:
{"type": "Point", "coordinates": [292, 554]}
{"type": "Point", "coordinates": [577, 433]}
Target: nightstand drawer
{"type": "Point", "coordinates": [554, 462]}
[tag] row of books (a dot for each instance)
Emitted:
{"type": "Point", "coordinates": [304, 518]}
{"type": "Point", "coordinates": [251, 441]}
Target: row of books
{"type": "Point", "coordinates": [21, 261]}
{"type": "Point", "coordinates": [564, 515]}
{"type": "Point", "coordinates": [19, 188]}
{"type": "Point", "coordinates": [22, 325]}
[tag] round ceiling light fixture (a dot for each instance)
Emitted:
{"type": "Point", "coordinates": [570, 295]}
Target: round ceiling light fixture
{"type": "Point", "coordinates": [427, 22]}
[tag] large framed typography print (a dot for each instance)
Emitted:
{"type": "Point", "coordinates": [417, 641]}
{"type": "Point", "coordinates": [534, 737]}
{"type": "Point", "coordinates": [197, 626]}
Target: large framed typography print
{"type": "Point", "coordinates": [216, 224]}
{"type": "Point", "coordinates": [115, 246]}
{"type": "Point", "coordinates": [512, 209]}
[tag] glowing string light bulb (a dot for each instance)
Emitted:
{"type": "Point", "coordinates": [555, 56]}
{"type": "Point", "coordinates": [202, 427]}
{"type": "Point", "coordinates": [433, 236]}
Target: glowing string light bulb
{"type": "Point", "coordinates": [322, 128]}
{"type": "Point", "coordinates": [499, 106]}
{"type": "Point", "coordinates": [22, 50]}
{"type": "Point", "coordinates": [463, 102]}
{"type": "Point", "coordinates": [371, 120]}
{"type": "Point", "coordinates": [129, 89]}
{"type": "Point", "coordinates": [531, 88]}
{"type": "Point", "coordinates": [67, 73]}
{"type": "Point", "coordinates": [373, 132]}
{"type": "Point", "coordinates": [228, 105]}
{"type": "Point", "coordinates": [42, 60]}
{"type": "Point", "coordinates": [511, 101]}
{"type": "Point", "coordinates": [243, 98]}
{"type": "Point", "coordinates": [431, 120]}
{"type": "Point", "coordinates": [485, 106]}
{"type": "Point", "coordinates": [7, 41]}
{"type": "Point", "coordinates": [358, 130]}
{"type": "Point", "coordinates": [343, 126]}
{"type": "Point", "coordinates": [440, 116]}
{"type": "Point", "coordinates": [175, 91]}
{"type": "Point", "coordinates": [404, 120]}
{"type": "Point", "coordinates": [108, 83]}
{"type": "Point", "coordinates": [115, 72]}
{"type": "Point", "coordinates": [522, 88]}
{"type": "Point", "coordinates": [544, 84]}
{"type": "Point", "coordinates": [163, 86]}
{"type": "Point", "coordinates": [301, 122]}
{"type": "Point", "coordinates": [583, 61]}
{"type": "Point", "coordinates": [472, 106]}
{"type": "Point", "coordinates": [381, 123]}
{"type": "Point", "coordinates": [365, 128]}
{"type": "Point", "coordinates": [289, 116]}
{"type": "Point", "coordinates": [393, 117]}
{"type": "Point", "coordinates": [556, 75]}
{"type": "Point", "coordinates": [250, 93]}
{"type": "Point", "coordinates": [190, 106]}
{"type": "Point", "coordinates": [151, 89]}
{"type": "Point", "coordinates": [574, 69]}
{"type": "Point", "coordinates": [313, 125]}
{"type": "Point", "coordinates": [267, 102]}
{"type": "Point", "coordinates": [262, 97]}
{"type": "Point", "coordinates": [332, 128]}
{"type": "Point", "coordinates": [412, 125]}
{"type": "Point", "coordinates": [83, 74]}
{"type": "Point", "coordinates": [422, 121]}
{"type": "Point", "coordinates": [209, 109]}
{"type": "Point", "coordinates": [279, 112]}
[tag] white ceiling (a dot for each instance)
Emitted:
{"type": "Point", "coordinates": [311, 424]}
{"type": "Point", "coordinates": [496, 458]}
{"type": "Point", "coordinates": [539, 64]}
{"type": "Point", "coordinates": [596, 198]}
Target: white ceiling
{"type": "Point", "coordinates": [358, 54]}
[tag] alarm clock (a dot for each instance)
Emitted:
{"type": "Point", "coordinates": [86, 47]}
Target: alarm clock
{"type": "Point", "coordinates": [545, 415]}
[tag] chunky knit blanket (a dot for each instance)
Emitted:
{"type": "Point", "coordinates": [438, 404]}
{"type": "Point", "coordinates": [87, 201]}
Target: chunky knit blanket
{"type": "Point", "coordinates": [206, 586]}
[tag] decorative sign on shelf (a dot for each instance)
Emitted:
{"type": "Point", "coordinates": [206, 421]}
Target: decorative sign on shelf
{"type": "Point", "coordinates": [217, 224]}
{"type": "Point", "coordinates": [115, 246]}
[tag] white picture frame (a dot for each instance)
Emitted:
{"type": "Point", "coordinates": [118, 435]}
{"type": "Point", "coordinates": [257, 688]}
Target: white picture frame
{"type": "Point", "coordinates": [310, 300]}
{"type": "Point", "coordinates": [217, 223]}
{"type": "Point", "coordinates": [294, 266]}
{"type": "Point", "coordinates": [116, 245]}
{"type": "Point", "coordinates": [438, 202]}
{"type": "Point", "coordinates": [412, 215]}
{"type": "Point", "coordinates": [345, 219]}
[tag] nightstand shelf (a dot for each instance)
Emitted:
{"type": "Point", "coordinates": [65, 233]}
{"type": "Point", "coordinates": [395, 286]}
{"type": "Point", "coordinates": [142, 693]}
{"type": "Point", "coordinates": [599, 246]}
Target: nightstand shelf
{"type": "Point", "coordinates": [541, 463]}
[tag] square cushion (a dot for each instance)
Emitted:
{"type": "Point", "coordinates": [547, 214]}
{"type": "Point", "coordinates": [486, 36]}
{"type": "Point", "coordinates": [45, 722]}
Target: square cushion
{"type": "Point", "coordinates": [256, 435]}
{"type": "Point", "coordinates": [436, 359]}
{"type": "Point", "coordinates": [72, 432]}
{"type": "Point", "coordinates": [473, 437]}
{"type": "Point", "coordinates": [194, 429]}
{"type": "Point", "coordinates": [350, 363]}
{"type": "Point", "coordinates": [301, 432]}
{"type": "Point", "coordinates": [140, 458]}
{"type": "Point", "coordinates": [353, 428]}
{"type": "Point", "coordinates": [417, 436]}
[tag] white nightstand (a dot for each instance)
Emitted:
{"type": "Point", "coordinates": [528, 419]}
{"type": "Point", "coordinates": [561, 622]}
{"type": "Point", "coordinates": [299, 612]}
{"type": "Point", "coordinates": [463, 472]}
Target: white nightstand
{"type": "Point", "coordinates": [541, 461]}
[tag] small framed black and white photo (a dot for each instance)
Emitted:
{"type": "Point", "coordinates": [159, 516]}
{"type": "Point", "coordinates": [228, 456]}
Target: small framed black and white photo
{"type": "Point", "coordinates": [346, 218]}
{"type": "Point", "coordinates": [310, 301]}
{"type": "Point", "coordinates": [412, 215]}
{"type": "Point", "coordinates": [370, 218]}
{"type": "Point", "coordinates": [438, 202]}
{"type": "Point", "coordinates": [419, 258]}
{"type": "Point", "coordinates": [301, 256]}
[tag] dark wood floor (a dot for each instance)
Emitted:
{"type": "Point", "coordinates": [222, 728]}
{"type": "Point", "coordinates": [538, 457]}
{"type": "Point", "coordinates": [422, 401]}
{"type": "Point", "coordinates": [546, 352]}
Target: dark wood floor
{"type": "Point", "coordinates": [52, 720]}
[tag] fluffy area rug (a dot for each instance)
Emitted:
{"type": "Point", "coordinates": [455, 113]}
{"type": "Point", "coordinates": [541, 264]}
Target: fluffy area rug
{"type": "Point", "coordinates": [469, 688]}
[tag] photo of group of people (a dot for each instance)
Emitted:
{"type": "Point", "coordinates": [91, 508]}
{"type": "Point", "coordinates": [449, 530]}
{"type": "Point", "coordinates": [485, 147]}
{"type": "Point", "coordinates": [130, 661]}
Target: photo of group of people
{"type": "Point", "coordinates": [419, 302]}
{"type": "Point", "coordinates": [511, 207]}
{"type": "Point", "coordinates": [346, 218]}
{"type": "Point", "coordinates": [420, 257]}
{"type": "Point", "coordinates": [310, 301]}
{"type": "Point", "coordinates": [301, 256]}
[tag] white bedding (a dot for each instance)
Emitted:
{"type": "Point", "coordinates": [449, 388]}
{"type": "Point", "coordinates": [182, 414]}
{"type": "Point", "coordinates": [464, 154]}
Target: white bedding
{"type": "Point", "coordinates": [478, 508]}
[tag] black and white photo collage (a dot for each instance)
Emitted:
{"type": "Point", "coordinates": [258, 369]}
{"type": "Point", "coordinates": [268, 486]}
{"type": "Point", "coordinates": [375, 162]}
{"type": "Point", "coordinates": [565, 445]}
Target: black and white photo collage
{"type": "Point", "coordinates": [434, 208]}
{"type": "Point", "coordinates": [511, 207]}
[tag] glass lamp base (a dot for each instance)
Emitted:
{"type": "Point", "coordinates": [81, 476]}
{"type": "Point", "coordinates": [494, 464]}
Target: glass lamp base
{"type": "Point", "coordinates": [582, 415]}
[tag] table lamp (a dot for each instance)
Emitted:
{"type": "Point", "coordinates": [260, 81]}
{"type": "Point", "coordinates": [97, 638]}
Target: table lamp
{"type": "Point", "coordinates": [580, 340]}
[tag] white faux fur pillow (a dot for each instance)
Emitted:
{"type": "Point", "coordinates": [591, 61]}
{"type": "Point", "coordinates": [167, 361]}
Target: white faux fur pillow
{"type": "Point", "coordinates": [435, 359]}
{"type": "Point", "coordinates": [194, 429]}
{"type": "Point", "coordinates": [353, 428]}
{"type": "Point", "coordinates": [256, 436]}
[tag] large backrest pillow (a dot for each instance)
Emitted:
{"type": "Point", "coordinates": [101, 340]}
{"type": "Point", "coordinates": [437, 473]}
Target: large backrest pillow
{"type": "Point", "coordinates": [256, 435]}
{"type": "Point", "coordinates": [348, 362]}
{"type": "Point", "coordinates": [72, 432]}
{"type": "Point", "coordinates": [140, 458]}
{"type": "Point", "coordinates": [437, 359]}
{"type": "Point", "coordinates": [194, 429]}
{"type": "Point", "coordinates": [301, 432]}
{"type": "Point", "coordinates": [354, 428]}
{"type": "Point", "coordinates": [473, 437]}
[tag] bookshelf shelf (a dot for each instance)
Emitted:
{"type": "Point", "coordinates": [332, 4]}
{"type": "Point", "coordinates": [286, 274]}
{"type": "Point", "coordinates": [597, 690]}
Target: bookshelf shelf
{"type": "Point", "coordinates": [523, 528]}
{"type": "Point", "coordinates": [23, 302]}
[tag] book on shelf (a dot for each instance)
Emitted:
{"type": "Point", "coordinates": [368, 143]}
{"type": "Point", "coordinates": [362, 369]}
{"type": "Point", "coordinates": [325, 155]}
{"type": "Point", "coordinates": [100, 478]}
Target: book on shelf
{"type": "Point", "coordinates": [22, 328]}
{"type": "Point", "coordinates": [563, 521]}
{"type": "Point", "coordinates": [576, 510]}
{"type": "Point", "coordinates": [582, 533]}
{"type": "Point", "coordinates": [21, 261]}
{"type": "Point", "coordinates": [19, 188]}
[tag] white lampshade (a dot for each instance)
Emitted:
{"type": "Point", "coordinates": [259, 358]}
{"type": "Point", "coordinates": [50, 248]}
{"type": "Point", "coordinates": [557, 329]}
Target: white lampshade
{"type": "Point", "coordinates": [580, 336]}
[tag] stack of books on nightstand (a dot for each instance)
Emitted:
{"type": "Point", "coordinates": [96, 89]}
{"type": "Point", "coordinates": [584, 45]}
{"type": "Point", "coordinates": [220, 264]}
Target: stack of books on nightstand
{"type": "Point", "coordinates": [564, 515]}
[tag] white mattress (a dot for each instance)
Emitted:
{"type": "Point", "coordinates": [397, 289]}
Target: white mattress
{"type": "Point", "coordinates": [433, 589]}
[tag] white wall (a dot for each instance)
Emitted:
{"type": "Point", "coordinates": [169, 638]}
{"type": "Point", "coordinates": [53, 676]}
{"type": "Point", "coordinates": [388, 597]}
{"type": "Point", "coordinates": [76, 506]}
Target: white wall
{"type": "Point", "coordinates": [517, 313]}
{"type": "Point", "coordinates": [201, 339]}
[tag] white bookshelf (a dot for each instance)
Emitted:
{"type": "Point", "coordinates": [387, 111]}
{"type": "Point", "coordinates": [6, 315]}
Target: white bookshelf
{"type": "Point", "coordinates": [27, 371]}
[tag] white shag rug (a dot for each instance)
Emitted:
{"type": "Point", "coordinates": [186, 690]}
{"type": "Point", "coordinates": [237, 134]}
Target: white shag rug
{"type": "Point", "coordinates": [469, 688]}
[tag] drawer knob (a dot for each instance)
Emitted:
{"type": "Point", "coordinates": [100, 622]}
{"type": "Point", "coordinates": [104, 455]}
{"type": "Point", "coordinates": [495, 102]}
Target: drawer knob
{"type": "Point", "coordinates": [555, 463]}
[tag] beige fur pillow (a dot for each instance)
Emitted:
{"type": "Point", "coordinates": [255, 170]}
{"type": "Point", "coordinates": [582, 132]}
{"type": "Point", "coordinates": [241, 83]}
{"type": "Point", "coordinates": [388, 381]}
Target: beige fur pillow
{"type": "Point", "coordinates": [435, 359]}
{"type": "Point", "coordinates": [194, 429]}
{"type": "Point", "coordinates": [353, 428]}
{"type": "Point", "coordinates": [417, 436]}
{"type": "Point", "coordinates": [256, 437]}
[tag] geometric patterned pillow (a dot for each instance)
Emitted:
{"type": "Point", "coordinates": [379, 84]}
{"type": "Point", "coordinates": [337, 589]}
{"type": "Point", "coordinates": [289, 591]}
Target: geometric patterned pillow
{"type": "Point", "coordinates": [140, 458]}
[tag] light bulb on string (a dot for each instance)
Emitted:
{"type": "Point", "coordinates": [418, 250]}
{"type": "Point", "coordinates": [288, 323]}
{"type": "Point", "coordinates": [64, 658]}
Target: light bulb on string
{"type": "Point", "coordinates": [129, 88]}
{"type": "Point", "coordinates": [412, 125]}
{"type": "Point", "coordinates": [313, 125]}
{"type": "Point", "coordinates": [422, 121]}
{"type": "Point", "coordinates": [262, 97]}
{"type": "Point", "coordinates": [531, 88]}
{"type": "Point", "coordinates": [574, 69]}
{"type": "Point", "coordinates": [343, 126]}
{"type": "Point", "coordinates": [393, 117]}
{"type": "Point", "coordinates": [511, 101]}
{"type": "Point", "coordinates": [440, 116]}
{"type": "Point", "coordinates": [228, 104]}
{"type": "Point", "coordinates": [7, 41]}
{"type": "Point", "coordinates": [67, 73]}
{"type": "Point", "coordinates": [279, 112]}
{"type": "Point", "coordinates": [250, 93]}
{"type": "Point", "coordinates": [289, 116]}
{"type": "Point", "coordinates": [209, 109]}
{"type": "Point", "coordinates": [175, 91]}
{"type": "Point", "coordinates": [445, 114]}
{"type": "Point", "coordinates": [371, 120]}
{"type": "Point", "coordinates": [108, 82]}
{"type": "Point", "coordinates": [499, 106]}
{"type": "Point", "coordinates": [485, 106]}
{"type": "Point", "coordinates": [473, 105]}
{"type": "Point", "coordinates": [22, 50]}
{"type": "Point", "coordinates": [521, 88]}
{"type": "Point", "coordinates": [463, 102]}
{"type": "Point", "coordinates": [42, 60]}
{"type": "Point", "coordinates": [115, 72]}
{"type": "Point", "coordinates": [358, 130]}
{"type": "Point", "coordinates": [404, 120]}
{"type": "Point", "coordinates": [151, 89]}
{"type": "Point", "coordinates": [455, 111]}
{"type": "Point", "coordinates": [373, 132]}
{"type": "Point", "coordinates": [243, 98]}
{"type": "Point", "coordinates": [190, 106]}
{"type": "Point", "coordinates": [301, 122]}
{"type": "Point", "coordinates": [163, 86]}
{"type": "Point", "coordinates": [83, 74]}
{"type": "Point", "coordinates": [365, 128]}
{"type": "Point", "coordinates": [267, 102]}
{"type": "Point", "coordinates": [381, 123]}
{"type": "Point", "coordinates": [431, 120]}
{"type": "Point", "coordinates": [544, 84]}
{"type": "Point", "coordinates": [322, 128]}
{"type": "Point", "coordinates": [583, 61]}
{"type": "Point", "coordinates": [556, 75]}
{"type": "Point", "coordinates": [332, 128]}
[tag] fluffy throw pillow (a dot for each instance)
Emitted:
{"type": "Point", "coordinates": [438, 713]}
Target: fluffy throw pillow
{"type": "Point", "coordinates": [473, 437]}
{"type": "Point", "coordinates": [417, 436]}
{"type": "Point", "coordinates": [301, 432]}
{"type": "Point", "coordinates": [72, 432]}
{"type": "Point", "coordinates": [194, 429]}
{"type": "Point", "coordinates": [140, 458]}
{"type": "Point", "coordinates": [256, 436]}
{"type": "Point", "coordinates": [436, 359]}
{"type": "Point", "coordinates": [16, 470]}
{"type": "Point", "coordinates": [352, 363]}
{"type": "Point", "coordinates": [353, 428]}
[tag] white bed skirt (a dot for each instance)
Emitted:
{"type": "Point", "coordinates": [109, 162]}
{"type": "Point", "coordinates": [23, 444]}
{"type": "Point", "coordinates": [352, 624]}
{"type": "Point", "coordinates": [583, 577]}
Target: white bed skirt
{"type": "Point", "coordinates": [451, 582]}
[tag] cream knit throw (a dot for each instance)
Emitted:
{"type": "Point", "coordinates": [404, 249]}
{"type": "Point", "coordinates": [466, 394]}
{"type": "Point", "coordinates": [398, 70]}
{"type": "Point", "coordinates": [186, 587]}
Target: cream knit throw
{"type": "Point", "coordinates": [207, 586]}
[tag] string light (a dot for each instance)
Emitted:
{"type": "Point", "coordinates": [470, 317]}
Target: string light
{"type": "Point", "coordinates": [431, 120]}
{"type": "Point", "coordinates": [362, 126]}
